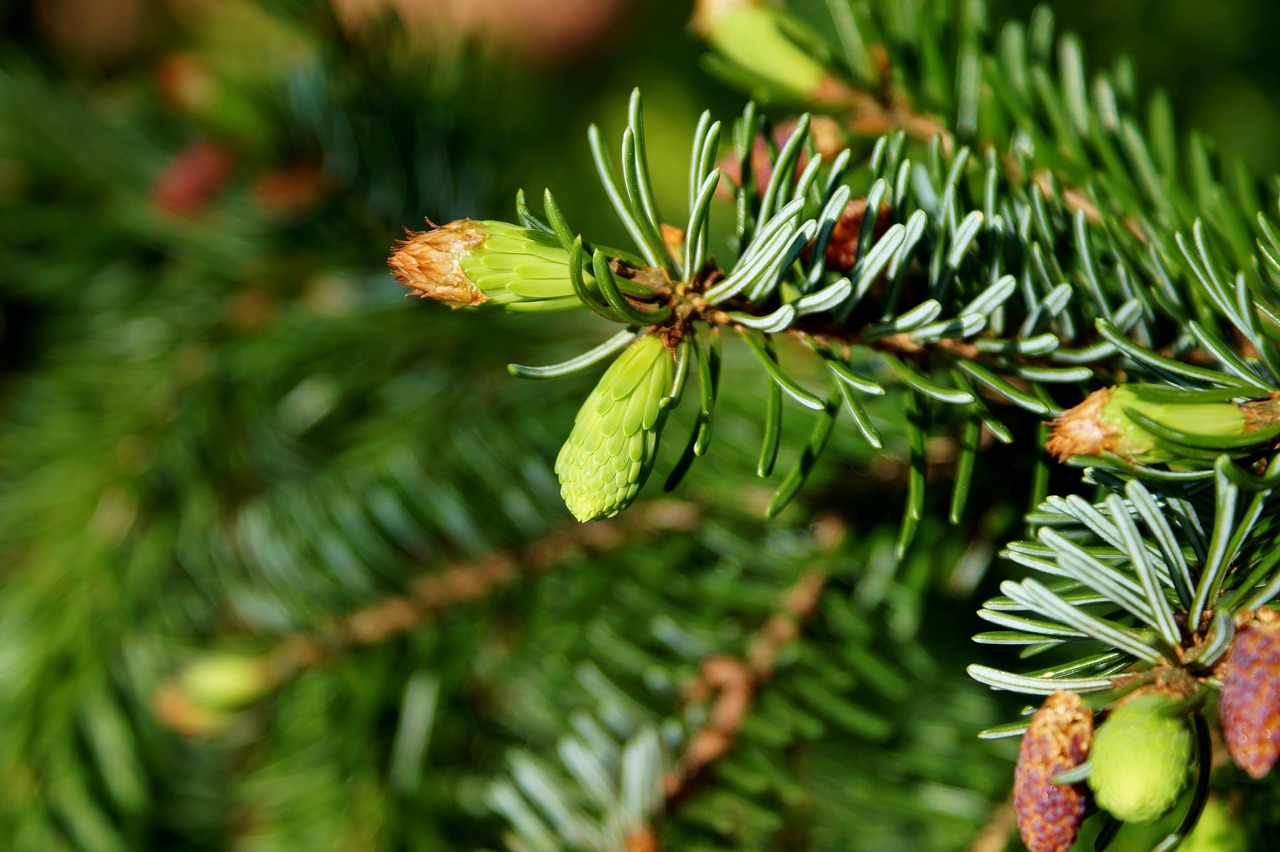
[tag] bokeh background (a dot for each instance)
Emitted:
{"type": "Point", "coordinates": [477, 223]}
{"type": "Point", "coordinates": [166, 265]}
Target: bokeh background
{"type": "Point", "coordinates": [1214, 61]}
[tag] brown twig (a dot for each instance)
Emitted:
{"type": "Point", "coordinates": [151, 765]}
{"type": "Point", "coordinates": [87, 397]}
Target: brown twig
{"type": "Point", "coordinates": [431, 594]}
{"type": "Point", "coordinates": [730, 683]}
{"type": "Point", "coordinates": [470, 581]}
{"type": "Point", "coordinates": [994, 836]}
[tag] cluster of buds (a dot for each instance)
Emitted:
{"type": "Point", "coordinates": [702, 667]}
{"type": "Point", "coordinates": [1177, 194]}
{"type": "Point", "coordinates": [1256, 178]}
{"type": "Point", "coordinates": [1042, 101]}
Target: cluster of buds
{"type": "Point", "coordinates": [610, 451]}
{"type": "Point", "coordinates": [1058, 739]}
{"type": "Point", "coordinates": [1138, 757]}
{"type": "Point", "coordinates": [468, 263]}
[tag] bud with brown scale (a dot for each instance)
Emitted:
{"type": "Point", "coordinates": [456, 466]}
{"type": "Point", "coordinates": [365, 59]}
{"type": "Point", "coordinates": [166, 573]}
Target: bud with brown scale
{"type": "Point", "coordinates": [1103, 423]}
{"type": "Point", "coordinates": [1049, 814]}
{"type": "Point", "coordinates": [468, 263]}
{"type": "Point", "coordinates": [1250, 699]}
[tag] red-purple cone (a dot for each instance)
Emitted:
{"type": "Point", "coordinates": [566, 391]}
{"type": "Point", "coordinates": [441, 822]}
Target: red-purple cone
{"type": "Point", "coordinates": [1058, 739]}
{"type": "Point", "coordinates": [1250, 702]}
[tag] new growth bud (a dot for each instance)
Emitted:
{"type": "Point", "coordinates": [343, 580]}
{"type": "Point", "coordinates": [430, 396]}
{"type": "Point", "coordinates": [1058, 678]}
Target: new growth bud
{"type": "Point", "coordinates": [226, 681]}
{"type": "Point", "coordinates": [615, 435]}
{"type": "Point", "coordinates": [1049, 814]}
{"type": "Point", "coordinates": [1140, 758]}
{"type": "Point", "coordinates": [1250, 697]}
{"type": "Point", "coordinates": [467, 263]}
{"type": "Point", "coordinates": [204, 698]}
{"type": "Point", "coordinates": [745, 32]}
{"type": "Point", "coordinates": [1102, 422]}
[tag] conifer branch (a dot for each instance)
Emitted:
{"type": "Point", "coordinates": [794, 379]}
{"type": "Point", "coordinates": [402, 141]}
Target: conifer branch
{"type": "Point", "coordinates": [218, 433]}
{"type": "Point", "coordinates": [729, 683]}
{"type": "Point", "coordinates": [178, 701]}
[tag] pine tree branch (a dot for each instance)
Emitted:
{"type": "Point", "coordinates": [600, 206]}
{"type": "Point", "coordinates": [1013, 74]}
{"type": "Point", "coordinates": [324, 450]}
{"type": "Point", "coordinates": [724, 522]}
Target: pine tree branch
{"type": "Point", "coordinates": [469, 582]}
{"type": "Point", "coordinates": [730, 683]}
{"type": "Point", "coordinates": [454, 585]}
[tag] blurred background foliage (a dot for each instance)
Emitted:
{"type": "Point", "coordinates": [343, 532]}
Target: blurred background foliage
{"type": "Point", "coordinates": [1215, 63]}
{"type": "Point", "coordinates": [222, 428]}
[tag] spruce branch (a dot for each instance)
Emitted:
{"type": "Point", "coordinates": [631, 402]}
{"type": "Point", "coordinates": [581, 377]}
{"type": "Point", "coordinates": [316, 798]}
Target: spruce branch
{"type": "Point", "coordinates": [979, 278]}
{"type": "Point", "coordinates": [220, 435]}
{"type": "Point", "coordinates": [1223, 345]}
{"type": "Point", "coordinates": [974, 279]}
{"type": "Point", "coordinates": [830, 683]}
{"type": "Point", "coordinates": [733, 682]}
{"type": "Point", "coordinates": [186, 704]}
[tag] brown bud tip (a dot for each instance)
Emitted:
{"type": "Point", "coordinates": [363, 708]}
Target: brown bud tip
{"type": "Point", "coordinates": [1081, 431]}
{"type": "Point", "coordinates": [1049, 815]}
{"type": "Point", "coordinates": [673, 240]}
{"type": "Point", "coordinates": [431, 262]}
{"type": "Point", "coordinates": [1250, 699]}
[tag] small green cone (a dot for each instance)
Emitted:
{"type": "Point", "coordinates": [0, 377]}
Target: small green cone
{"type": "Point", "coordinates": [468, 263]}
{"type": "Point", "coordinates": [615, 435]}
{"type": "Point", "coordinates": [1139, 759]}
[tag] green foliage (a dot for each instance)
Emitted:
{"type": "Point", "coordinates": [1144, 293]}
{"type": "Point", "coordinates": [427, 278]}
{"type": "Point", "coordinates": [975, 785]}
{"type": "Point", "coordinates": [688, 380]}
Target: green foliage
{"type": "Point", "coordinates": [286, 562]}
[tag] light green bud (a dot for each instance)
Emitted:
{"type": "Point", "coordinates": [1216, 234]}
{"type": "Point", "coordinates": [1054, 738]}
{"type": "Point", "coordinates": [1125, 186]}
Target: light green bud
{"type": "Point", "coordinates": [1139, 759]}
{"type": "Point", "coordinates": [1101, 423]}
{"type": "Point", "coordinates": [607, 456]}
{"type": "Point", "coordinates": [468, 263]}
{"type": "Point", "coordinates": [222, 681]}
{"type": "Point", "coordinates": [746, 31]}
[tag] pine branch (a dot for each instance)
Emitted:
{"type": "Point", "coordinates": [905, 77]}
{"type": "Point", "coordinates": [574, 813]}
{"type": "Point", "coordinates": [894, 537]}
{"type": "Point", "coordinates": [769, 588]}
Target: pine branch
{"type": "Point", "coordinates": [733, 681]}
{"type": "Point", "coordinates": [217, 435]}
{"type": "Point", "coordinates": [992, 276]}
{"type": "Point", "coordinates": [201, 699]}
